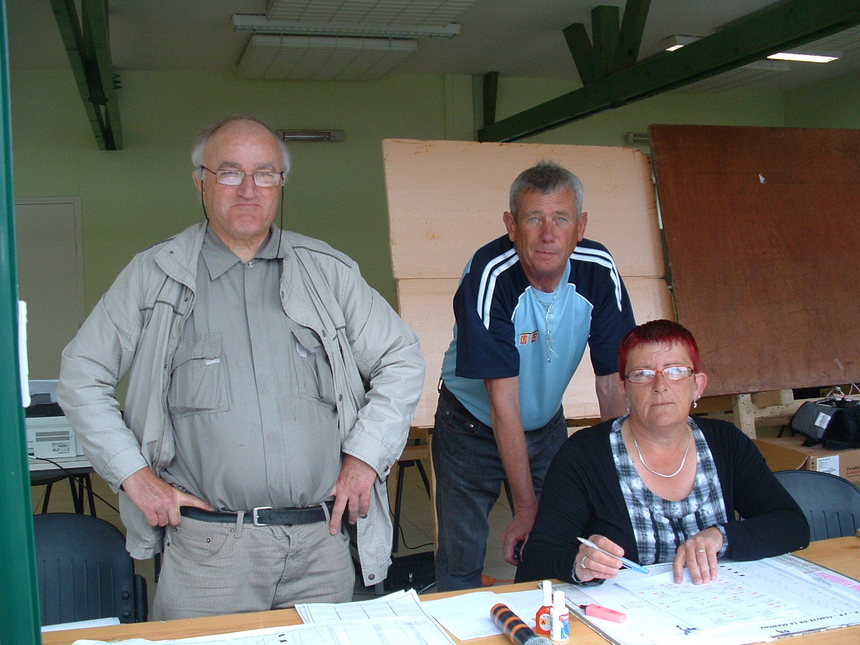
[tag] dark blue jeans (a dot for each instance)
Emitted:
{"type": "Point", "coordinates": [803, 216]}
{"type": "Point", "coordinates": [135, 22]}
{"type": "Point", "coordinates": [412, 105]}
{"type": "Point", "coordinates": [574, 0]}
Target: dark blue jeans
{"type": "Point", "coordinates": [469, 474]}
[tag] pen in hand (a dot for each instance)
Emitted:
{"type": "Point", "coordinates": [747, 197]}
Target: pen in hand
{"type": "Point", "coordinates": [627, 563]}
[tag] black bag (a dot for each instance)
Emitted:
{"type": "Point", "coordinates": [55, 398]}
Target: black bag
{"type": "Point", "coordinates": [833, 422]}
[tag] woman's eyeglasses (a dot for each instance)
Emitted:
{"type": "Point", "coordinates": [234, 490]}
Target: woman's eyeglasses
{"type": "Point", "coordinates": [672, 373]}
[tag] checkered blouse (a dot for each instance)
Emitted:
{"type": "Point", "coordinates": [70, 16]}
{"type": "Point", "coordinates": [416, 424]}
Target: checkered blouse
{"type": "Point", "coordinates": [660, 526]}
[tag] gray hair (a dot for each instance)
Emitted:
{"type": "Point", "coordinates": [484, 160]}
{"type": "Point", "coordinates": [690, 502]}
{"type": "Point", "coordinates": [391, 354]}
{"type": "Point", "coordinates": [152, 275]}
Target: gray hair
{"type": "Point", "coordinates": [203, 139]}
{"type": "Point", "coordinates": [546, 177]}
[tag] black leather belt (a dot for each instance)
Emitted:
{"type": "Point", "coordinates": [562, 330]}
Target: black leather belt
{"type": "Point", "coordinates": [262, 515]}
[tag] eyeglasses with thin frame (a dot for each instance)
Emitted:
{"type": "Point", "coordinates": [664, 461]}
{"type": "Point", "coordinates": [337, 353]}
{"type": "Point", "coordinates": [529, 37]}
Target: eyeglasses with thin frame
{"type": "Point", "coordinates": [233, 177]}
{"type": "Point", "coordinates": [671, 373]}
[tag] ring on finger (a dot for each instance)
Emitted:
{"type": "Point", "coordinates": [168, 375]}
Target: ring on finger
{"type": "Point", "coordinates": [584, 560]}
{"type": "Point", "coordinates": [700, 551]}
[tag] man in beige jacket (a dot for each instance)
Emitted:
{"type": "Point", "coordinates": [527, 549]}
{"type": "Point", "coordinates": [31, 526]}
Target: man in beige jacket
{"type": "Point", "coordinates": [270, 391]}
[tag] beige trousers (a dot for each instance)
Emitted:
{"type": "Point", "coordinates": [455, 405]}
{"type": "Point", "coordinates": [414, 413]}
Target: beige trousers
{"type": "Point", "coordinates": [210, 568]}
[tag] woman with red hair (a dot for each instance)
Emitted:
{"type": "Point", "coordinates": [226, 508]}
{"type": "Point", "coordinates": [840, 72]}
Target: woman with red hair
{"type": "Point", "coordinates": [658, 485]}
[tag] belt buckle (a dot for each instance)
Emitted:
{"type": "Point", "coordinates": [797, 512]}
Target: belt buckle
{"type": "Point", "coordinates": [255, 516]}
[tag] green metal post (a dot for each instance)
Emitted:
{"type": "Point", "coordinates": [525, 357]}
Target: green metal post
{"type": "Point", "coordinates": [19, 599]}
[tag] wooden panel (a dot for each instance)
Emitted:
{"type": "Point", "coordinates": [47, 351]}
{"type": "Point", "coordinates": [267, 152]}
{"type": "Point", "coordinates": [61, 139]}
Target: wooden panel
{"type": "Point", "coordinates": [426, 305]}
{"type": "Point", "coordinates": [651, 299]}
{"type": "Point", "coordinates": [446, 199]}
{"type": "Point", "coordinates": [762, 236]}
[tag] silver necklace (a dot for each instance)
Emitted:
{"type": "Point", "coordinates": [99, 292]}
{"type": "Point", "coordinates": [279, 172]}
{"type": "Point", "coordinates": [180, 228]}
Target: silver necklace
{"type": "Point", "coordinates": [654, 472]}
{"type": "Point", "coordinates": [548, 320]}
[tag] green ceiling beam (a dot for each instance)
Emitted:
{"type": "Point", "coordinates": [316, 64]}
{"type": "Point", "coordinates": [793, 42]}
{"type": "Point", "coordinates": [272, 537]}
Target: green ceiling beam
{"type": "Point", "coordinates": [87, 45]}
{"type": "Point", "coordinates": [490, 96]}
{"type": "Point", "coordinates": [630, 37]}
{"type": "Point", "coordinates": [614, 49]}
{"type": "Point", "coordinates": [781, 27]}
{"type": "Point", "coordinates": [604, 34]}
{"type": "Point", "coordinates": [580, 48]}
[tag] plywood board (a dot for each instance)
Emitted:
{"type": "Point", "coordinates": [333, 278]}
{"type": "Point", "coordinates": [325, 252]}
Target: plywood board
{"type": "Point", "coordinates": [762, 236]}
{"type": "Point", "coordinates": [446, 199]}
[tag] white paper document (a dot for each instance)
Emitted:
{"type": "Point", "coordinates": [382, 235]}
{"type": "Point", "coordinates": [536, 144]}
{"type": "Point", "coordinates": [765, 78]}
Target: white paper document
{"type": "Point", "coordinates": [390, 620]}
{"type": "Point", "coordinates": [81, 624]}
{"type": "Point", "coordinates": [468, 615]}
{"type": "Point", "coordinates": [384, 631]}
{"type": "Point", "coordinates": [750, 602]}
{"type": "Point", "coordinates": [399, 603]}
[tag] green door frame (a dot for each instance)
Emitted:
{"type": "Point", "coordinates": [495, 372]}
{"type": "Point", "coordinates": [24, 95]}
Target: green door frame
{"type": "Point", "coordinates": [19, 601]}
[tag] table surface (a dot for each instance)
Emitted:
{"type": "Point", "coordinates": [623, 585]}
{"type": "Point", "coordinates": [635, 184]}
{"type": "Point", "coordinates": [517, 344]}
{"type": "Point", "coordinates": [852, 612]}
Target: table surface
{"type": "Point", "coordinates": [77, 463]}
{"type": "Point", "coordinates": [839, 554]}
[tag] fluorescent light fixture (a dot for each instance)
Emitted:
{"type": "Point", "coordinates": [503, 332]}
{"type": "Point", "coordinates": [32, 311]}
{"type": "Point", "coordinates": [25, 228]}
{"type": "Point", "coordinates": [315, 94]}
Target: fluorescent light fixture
{"type": "Point", "coordinates": [802, 58]}
{"type": "Point", "coordinates": [676, 41]}
{"type": "Point", "coordinates": [327, 136]}
{"type": "Point", "coordinates": [262, 25]}
{"type": "Point", "coordinates": [322, 57]}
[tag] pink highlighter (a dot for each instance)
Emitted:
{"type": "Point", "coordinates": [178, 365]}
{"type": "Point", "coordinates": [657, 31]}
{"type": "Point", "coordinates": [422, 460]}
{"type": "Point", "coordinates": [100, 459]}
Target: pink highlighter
{"type": "Point", "coordinates": [605, 613]}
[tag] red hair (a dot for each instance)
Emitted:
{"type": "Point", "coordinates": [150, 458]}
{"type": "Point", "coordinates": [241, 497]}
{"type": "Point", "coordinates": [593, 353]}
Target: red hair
{"type": "Point", "coordinates": [658, 332]}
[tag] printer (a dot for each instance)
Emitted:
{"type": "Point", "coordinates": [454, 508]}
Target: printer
{"type": "Point", "coordinates": [48, 432]}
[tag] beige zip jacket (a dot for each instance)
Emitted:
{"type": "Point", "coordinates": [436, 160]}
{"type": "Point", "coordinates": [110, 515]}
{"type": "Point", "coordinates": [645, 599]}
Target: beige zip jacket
{"type": "Point", "coordinates": [135, 327]}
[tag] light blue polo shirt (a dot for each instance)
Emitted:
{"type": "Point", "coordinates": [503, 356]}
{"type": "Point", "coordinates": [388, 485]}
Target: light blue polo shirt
{"type": "Point", "coordinates": [505, 327]}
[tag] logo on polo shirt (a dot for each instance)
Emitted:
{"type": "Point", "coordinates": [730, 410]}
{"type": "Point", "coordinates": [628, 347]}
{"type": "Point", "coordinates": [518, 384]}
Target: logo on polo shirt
{"type": "Point", "coordinates": [527, 337]}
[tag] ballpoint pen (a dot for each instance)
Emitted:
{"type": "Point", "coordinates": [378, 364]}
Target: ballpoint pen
{"type": "Point", "coordinates": [627, 563]}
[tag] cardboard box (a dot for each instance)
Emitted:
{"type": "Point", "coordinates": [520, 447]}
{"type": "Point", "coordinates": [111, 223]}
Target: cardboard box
{"type": "Point", "coordinates": [788, 453]}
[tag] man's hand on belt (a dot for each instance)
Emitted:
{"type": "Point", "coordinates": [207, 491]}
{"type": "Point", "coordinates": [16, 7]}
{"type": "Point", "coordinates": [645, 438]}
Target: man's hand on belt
{"type": "Point", "coordinates": [351, 491]}
{"type": "Point", "coordinates": [158, 500]}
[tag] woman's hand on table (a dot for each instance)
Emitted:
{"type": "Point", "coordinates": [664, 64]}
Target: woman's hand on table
{"type": "Point", "coordinates": [699, 556]}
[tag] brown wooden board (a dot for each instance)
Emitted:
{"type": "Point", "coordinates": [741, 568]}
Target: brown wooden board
{"type": "Point", "coordinates": [763, 241]}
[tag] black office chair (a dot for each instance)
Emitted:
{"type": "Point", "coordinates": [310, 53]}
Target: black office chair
{"type": "Point", "coordinates": [831, 504]}
{"type": "Point", "coordinates": [85, 571]}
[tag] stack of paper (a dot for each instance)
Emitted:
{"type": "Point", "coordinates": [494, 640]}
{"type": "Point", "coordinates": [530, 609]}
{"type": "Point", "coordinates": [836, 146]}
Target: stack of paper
{"type": "Point", "coordinates": [750, 602]}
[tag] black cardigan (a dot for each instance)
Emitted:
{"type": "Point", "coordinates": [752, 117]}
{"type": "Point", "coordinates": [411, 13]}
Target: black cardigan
{"type": "Point", "coordinates": [582, 497]}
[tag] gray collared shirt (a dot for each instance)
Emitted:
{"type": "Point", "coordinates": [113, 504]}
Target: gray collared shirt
{"type": "Point", "coordinates": [251, 396]}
